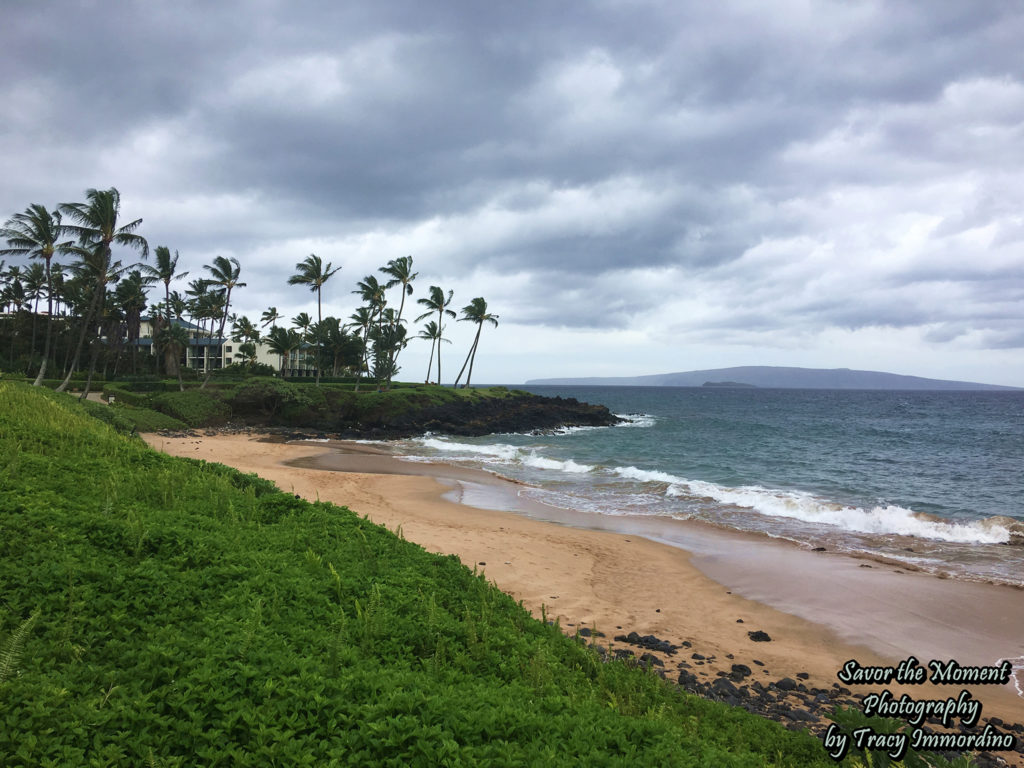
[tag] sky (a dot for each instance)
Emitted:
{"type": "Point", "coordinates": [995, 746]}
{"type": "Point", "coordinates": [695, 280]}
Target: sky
{"type": "Point", "coordinates": [634, 186]}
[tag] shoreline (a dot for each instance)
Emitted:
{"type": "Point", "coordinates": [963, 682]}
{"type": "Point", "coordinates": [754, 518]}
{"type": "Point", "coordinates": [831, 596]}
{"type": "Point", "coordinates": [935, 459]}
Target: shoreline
{"type": "Point", "coordinates": [703, 594]}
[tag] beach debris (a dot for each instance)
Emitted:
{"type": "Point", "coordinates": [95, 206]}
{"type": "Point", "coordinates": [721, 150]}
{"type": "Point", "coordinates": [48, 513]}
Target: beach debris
{"type": "Point", "coordinates": [759, 636]}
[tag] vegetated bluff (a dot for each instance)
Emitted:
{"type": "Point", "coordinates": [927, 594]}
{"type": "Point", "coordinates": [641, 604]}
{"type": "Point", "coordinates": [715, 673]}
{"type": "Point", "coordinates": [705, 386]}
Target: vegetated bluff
{"type": "Point", "coordinates": [404, 411]}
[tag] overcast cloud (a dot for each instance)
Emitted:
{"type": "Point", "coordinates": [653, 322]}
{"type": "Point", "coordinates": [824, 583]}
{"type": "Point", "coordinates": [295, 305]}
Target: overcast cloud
{"type": "Point", "coordinates": [635, 186]}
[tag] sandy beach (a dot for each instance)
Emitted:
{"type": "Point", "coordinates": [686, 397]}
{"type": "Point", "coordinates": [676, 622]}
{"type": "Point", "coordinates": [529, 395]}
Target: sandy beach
{"type": "Point", "coordinates": [704, 588]}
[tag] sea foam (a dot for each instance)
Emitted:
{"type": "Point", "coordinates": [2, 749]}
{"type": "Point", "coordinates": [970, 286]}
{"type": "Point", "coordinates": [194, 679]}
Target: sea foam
{"type": "Point", "coordinates": [888, 519]}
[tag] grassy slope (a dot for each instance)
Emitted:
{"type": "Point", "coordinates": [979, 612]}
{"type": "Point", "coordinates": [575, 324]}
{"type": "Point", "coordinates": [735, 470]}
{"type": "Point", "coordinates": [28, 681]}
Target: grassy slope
{"type": "Point", "coordinates": [176, 612]}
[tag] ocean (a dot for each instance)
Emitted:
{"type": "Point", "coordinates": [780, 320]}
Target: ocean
{"type": "Point", "coordinates": [930, 480]}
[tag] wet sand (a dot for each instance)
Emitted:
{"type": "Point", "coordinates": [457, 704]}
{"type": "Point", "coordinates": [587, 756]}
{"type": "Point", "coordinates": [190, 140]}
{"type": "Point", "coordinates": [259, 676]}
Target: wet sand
{"type": "Point", "coordinates": [689, 582]}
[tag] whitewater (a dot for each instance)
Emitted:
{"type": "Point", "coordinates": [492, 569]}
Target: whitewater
{"type": "Point", "coordinates": [929, 480]}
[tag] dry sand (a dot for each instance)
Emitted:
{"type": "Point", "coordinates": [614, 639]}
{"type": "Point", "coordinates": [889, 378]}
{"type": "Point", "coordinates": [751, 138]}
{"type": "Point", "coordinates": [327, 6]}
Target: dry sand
{"type": "Point", "coordinates": [833, 609]}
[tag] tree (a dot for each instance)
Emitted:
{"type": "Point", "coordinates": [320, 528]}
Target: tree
{"type": "Point", "coordinates": [283, 341]}
{"type": "Point", "coordinates": [345, 349]}
{"type": "Point", "coordinates": [247, 353]}
{"type": "Point", "coordinates": [244, 330]}
{"type": "Point", "coordinates": [437, 302]}
{"type": "Point", "coordinates": [34, 280]}
{"type": "Point", "coordinates": [175, 339]}
{"type": "Point", "coordinates": [96, 226]}
{"type": "Point", "coordinates": [475, 312]}
{"type": "Point", "coordinates": [400, 272]}
{"type": "Point", "coordinates": [131, 298]}
{"type": "Point", "coordinates": [36, 233]}
{"type": "Point", "coordinates": [374, 294]}
{"type": "Point", "coordinates": [270, 317]}
{"type": "Point", "coordinates": [166, 270]}
{"type": "Point", "coordinates": [312, 272]}
{"type": "Point", "coordinates": [432, 332]}
{"type": "Point", "coordinates": [224, 274]}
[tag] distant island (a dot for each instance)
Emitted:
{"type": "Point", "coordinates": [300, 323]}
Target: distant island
{"type": "Point", "coordinates": [727, 385]}
{"type": "Point", "coordinates": [774, 377]}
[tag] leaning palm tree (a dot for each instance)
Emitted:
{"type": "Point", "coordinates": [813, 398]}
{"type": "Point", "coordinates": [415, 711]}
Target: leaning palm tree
{"type": "Point", "coordinates": [432, 333]}
{"type": "Point", "coordinates": [400, 272]}
{"type": "Point", "coordinates": [36, 233]}
{"type": "Point", "coordinates": [96, 226]}
{"type": "Point", "coordinates": [97, 273]}
{"type": "Point", "coordinates": [270, 317]}
{"type": "Point", "coordinates": [475, 312]}
{"type": "Point", "coordinates": [312, 272]}
{"type": "Point", "coordinates": [437, 302]}
{"type": "Point", "coordinates": [225, 274]}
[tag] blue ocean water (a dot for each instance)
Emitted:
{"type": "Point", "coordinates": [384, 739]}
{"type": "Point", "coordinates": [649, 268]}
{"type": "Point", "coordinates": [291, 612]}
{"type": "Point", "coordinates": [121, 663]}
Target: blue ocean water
{"type": "Point", "coordinates": [934, 480]}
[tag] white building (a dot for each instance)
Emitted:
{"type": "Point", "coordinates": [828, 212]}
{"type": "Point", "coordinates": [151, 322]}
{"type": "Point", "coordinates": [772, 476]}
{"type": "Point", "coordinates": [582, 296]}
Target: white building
{"type": "Point", "coordinates": [206, 352]}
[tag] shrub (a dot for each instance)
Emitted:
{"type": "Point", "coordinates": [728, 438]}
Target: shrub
{"type": "Point", "coordinates": [146, 419]}
{"type": "Point", "coordinates": [270, 397]}
{"type": "Point", "coordinates": [195, 407]}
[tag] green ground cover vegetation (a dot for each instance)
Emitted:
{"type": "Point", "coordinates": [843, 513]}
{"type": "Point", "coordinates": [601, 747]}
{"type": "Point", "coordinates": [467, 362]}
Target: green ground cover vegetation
{"type": "Point", "coordinates": [173, 612]}
{"type": "Point", "coordinates": [258, 399]}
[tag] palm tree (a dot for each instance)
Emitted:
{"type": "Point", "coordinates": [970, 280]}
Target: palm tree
{"type": "Point", "coordinates": [270, 317]}
{"type": "Point", "coordinates": [196, 290]}
{"type": "Point", "coordinates": [400, 271]}
{"type": "Point", "coordinates": [35, 233]}
{"type": "Point", "coordinates": [174, 339]}
{"type": "Point", "coordinates": [374, 295]}
{"type": "Point", "coordinates": [244, 330]}
{"type": "Point", "coordinates": [131, 296]}
{"type": "Point", "coordinates": [437, 302]}
{"type": "Point", "coordinates": [475, 312]}
{"type": "Point", "coordinates": [363, 319]}
{"type": "Point", "coordinates": [345, 348]}
{"type": "Point", "coordinates": [303, 322]}
{"type": "Point", "coordinates": [312, 272]}
{"type": "Point", "coordinates": [166, 270]}
{"type": "Point", "coordinates": [225, 274]}
{"type": "Point", "coordinates": [246, 353]}
{"type": "Point", "coordinates": [96, 273]}
{"type": "Point", "coordinates": [34, 279]}
{"type": "Point", "coordinates": [176, 305]}
{"type": "Point", "coordinates": [96, 226]}
{"type": "Point", "coordinates": [432, 333]}
{"type": "Point", "coordinates": [283, 341]}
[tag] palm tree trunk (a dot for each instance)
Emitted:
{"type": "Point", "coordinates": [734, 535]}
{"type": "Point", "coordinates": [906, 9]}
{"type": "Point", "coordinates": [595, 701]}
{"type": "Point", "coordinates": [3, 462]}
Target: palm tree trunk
{"type": "Point", "coordinates": [431, 363]}
{"type": "Point", "coordinates": [32, 346]}
{"type": "Point", "coordinates": [97, 299]}
{"type": "Point", "coordinates": [49, 328]}
{"type": "Point", "coordinates": [319, 321]}
{"type": "Point", "coordinates": [220, 337]}
{"type": "Point", "coordinates": [472, 352]}
{"type": "Point", "coordinates": [440, 320]}
{"type": "Point", "coordinates": [472, 359]}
